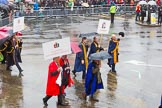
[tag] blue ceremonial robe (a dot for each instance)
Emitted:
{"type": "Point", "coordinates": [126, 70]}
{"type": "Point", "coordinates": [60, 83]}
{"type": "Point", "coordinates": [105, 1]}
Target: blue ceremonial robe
{"type": "Point", "coordinates": [93, 49]}
{"type": "Point", "coordinates": [112, 46]}
{"type": "Point", "coordinates": [78, 66]}
{"type": "Point", "coordinates": [91, 84]}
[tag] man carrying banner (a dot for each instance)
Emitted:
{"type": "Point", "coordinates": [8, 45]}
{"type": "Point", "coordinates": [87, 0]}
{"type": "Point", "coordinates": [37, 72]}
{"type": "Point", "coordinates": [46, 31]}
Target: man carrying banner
{"type": "Point", "coordinates": [81, 60]}
{"type": "Point", "coordinates": [53, 89]}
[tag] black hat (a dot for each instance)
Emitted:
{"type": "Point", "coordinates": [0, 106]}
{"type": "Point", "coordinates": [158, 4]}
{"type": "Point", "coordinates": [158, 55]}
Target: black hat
{"type": "Point", "coordinates": [122, 34]}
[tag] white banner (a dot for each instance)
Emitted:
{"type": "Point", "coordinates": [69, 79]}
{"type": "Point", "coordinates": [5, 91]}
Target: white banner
{"type": "Point", "coordinates": [18, 24]}
{"type": "Point", "coordinates": [103, 26]}
{"type": "Point", "coordinates": [56, 48]}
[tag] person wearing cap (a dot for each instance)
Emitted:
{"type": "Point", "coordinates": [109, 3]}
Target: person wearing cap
{"type": "Point", "coordinates": [81, 59]}
{"type": "Point", "coordinates": [113, 51]}
{"type": "Point", "coordinates": [52, 88]}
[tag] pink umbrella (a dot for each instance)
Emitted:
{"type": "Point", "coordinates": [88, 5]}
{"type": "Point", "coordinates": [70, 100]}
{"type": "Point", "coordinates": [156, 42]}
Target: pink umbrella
{"type": "Point", "coordinates": [3, 35]}
{"type": "Point", "coordinates": [75, 48]}
{"type": "Point", "coordinates": [5, 29]}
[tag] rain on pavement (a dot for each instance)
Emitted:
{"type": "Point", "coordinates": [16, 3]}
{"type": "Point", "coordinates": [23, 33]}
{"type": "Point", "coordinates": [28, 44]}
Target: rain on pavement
{"type": "Point", "coordinates": [136, 85]}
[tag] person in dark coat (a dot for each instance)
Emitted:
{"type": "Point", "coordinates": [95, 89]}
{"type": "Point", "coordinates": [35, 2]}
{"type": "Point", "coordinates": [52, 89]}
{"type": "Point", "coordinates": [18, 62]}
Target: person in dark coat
{"type": "Point", "coordinates": [143, 12]}
{"type": "Point", "coordinates": [16, 54]}
{"type": "Point", "coordinates": [95, 47]}
{"type": "Point", "coordinates": [52, 88]}
{"type": "Point", "coordinates": [160, 14]}
{"type": "Point", "coordinates": [113, 51]}
{"type": "Point", "coordinates": [81, 59]}
{"type": "Point", "coordinates": [93, 80]}
{"type": "Point", "coordinates": [9, 57]}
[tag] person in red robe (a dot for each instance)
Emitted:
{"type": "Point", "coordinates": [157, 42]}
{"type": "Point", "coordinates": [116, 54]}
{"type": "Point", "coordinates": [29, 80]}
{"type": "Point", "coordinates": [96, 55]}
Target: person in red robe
{"type": "Point", "coordinates": [66, 78]}
{"type": "Point", "coordinates": [53, 89]}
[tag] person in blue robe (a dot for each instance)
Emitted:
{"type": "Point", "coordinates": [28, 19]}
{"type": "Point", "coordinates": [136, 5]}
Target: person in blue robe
{"type": "Point", "coordinates": [113, 51]}
{"type": "Point", "coordinates": [93, 80]}
{"type": "Point", "coordinates": [95, 47]}
{"type": "Point", "coordinates": [81, 59]}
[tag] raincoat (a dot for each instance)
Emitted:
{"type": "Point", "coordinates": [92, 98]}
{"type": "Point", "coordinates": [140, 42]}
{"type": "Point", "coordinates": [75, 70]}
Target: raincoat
{"type": "Point", "coordinates": [93, 79]}
{"type": "Point", "coordinates": [113, 9]}
{"type": "Point", "coordinates": [78, 67]}
{"type": "Point", "coordinates": [113, 51]}
{"type": "Point", "coordinates": [52, 88]}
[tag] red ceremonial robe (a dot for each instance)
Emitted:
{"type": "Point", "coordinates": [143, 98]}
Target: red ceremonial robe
{"type": "Point", "coordinates": [70, 81]}
{"type": "Point", "coordinates": [52, 89]}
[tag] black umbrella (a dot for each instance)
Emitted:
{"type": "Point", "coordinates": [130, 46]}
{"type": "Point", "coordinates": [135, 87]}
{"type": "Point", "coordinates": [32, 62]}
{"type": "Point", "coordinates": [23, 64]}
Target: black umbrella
{"type": "Point", "coordinates": [5, 7]}
{"type": "Point", "coordinates": [12, 6]}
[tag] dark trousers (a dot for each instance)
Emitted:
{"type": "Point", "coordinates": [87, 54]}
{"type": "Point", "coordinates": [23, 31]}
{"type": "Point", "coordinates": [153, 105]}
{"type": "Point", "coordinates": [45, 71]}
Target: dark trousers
{"type": "Point", "coordinates": [17, 60]}
{"type": "Point", "coordinates": [142, 19]}
{"type": "Point", "coordinates": [47, 97]}
{"type": "Point", "coordinates": [83, 74]}
{"type": "Point", "coordinates": [137, 16]}
{"type": "Point", "coordinates": [159, 19]}
{"type": "Point", "coordinates": [113, 68]}
{"type": "Point", "coordinates": [17, 64]}
{"type": "Point", "coordinates": [112, 17]}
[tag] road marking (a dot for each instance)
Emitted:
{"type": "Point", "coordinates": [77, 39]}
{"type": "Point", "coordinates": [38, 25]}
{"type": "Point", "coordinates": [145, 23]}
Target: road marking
{"type": "Point", "coordinates": [140, 63]}
{"type": "Point", "coordinates": [139, 73]}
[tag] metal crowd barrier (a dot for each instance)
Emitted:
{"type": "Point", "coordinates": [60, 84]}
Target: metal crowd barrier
{"type": "Point", "coordinates": [59, 12]}
{"type": "Point", "coordinates": [5, 22]}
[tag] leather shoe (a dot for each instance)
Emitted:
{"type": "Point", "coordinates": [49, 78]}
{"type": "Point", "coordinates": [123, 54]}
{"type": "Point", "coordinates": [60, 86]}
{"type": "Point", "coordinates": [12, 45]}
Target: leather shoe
{"type": "Point", "coordinates": [74, 73]}
{"type": "Point", "coordinates": [63, 104]}
{"type": "Point", "coordinates": [44, 102]}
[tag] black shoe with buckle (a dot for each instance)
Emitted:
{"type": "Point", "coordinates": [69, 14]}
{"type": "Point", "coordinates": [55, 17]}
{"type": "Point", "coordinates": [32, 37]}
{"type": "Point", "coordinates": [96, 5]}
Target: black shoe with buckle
{"type": "Point", "coordinates": [73, 71]}
{"type": "Point", "coordinates": [109, 65]}
{"type": "Point", "coordinates": [44, 102]}
{"type": "Point", "coordinates": [63, 104]}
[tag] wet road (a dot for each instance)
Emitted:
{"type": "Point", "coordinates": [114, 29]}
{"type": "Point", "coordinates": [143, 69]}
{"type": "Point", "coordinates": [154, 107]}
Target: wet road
{"type": "Point", "coordinates": [136, 85]}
